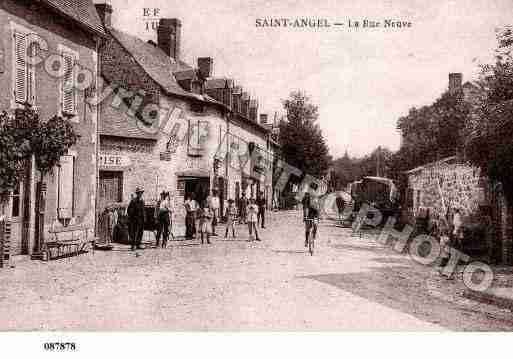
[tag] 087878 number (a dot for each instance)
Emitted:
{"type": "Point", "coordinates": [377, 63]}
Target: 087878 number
{"type": "Point", "coordinates": [57, 346]}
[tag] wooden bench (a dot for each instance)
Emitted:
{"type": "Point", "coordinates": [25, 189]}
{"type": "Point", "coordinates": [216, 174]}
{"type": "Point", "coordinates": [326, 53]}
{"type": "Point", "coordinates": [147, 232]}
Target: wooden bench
{"type": "Point", "coordinates": [69, 240]}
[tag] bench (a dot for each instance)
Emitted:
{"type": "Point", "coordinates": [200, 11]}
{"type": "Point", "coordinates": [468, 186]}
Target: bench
{"type": "Point", "coordinates": [69, 240]}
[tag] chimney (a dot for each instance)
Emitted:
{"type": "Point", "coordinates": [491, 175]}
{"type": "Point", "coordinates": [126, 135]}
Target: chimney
{"type": "Point", "coordinates": [169, 36]}
{"type": "Point", "coordinates": [105, 13]}
{"type": "Point", "coordinates": [205, 66]}
{"type": "Point", "coordinates": [263, 119]}
{"type": "Point", "coordinates": [455, 82]}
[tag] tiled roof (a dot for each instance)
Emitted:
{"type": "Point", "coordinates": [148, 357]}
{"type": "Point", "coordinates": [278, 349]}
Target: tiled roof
{"type": "Point", "coordinates": [431, 164]}
{"type": "Point", "coordinates": [155, 62]}
{"type": "Point", "coordinates": [163, 70]}
{"type": "Point", "coordinates": [82, 11]}
{"type": "Point", "coordinates": [120, 125]}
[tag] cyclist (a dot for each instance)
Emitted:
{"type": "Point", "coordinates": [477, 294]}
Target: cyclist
{"type": "Point", "coordinates": [311, 218]}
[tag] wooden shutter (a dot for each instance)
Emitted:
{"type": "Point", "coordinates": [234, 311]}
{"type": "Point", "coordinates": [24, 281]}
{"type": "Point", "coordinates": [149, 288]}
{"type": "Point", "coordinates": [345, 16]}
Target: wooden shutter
{"type": "Point", "coordinates": [31, 78]}
{"type": "Point", "coordinates": [20, 68]}
{"type": "Point", "coordinates": [67, 90]}
{"type": "Point", "coordinates": [66, 187]}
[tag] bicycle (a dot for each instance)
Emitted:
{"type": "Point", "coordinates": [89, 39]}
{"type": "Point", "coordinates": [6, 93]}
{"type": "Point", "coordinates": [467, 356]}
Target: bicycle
{"type": "Point", "coordinates": [311, 233]}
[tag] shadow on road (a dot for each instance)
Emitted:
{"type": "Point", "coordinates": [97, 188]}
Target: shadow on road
{"type": "Point", "coordinates": [400, 289]}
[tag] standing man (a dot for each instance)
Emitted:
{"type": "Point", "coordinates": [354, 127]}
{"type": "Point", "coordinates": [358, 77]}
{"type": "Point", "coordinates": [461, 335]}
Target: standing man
{"type": "Point", "coordinates": [243, 204]}
{"type": "Point", "coordinates": [305, 204]}
{"type": "Point", "coordinates": [135, 212]}
{"type": "Point", "coordinates": [340, 206]}
{"type": "Point", "coordinates": [190, 217]}
{"type": "Point", "coordinates": [163, 217]}
{"type": "Point", "coordinates": [213, 204]}
{"type": "Point", "coordinates": [261, 203]}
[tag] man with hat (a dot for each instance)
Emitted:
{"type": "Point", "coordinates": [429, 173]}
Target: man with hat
{"type": "Point", "coordinates": [135, 213]}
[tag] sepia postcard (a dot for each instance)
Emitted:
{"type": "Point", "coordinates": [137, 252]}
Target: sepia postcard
{"type": "Point", "coordinates": [253, 166]}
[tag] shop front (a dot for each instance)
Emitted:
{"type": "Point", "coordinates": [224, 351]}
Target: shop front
{"type": "Point", "coordinates": [111, 178]}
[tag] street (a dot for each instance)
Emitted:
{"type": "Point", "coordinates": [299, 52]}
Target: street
{"type": "Point", "coordinates": [350, 283]}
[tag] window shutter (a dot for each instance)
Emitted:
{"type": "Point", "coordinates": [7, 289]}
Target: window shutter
{"type": "Point", "coordinates": [31, 78]}
{"type": "Point", "coordinates": [67, 90]}
{"type": "Point", "coordinates": [20, 68]}
{"type": "Point", "coordinates": [66, 187]}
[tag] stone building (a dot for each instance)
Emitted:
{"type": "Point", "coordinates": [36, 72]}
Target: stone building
{"type": "Point", "coordinates": [446, 183]}
{"type": "Point", "coordinates": [173, 131]}
{"type": "Point", "coordinates": [454, 183]}
{"type": "Point", "coordinates": [70, 33]}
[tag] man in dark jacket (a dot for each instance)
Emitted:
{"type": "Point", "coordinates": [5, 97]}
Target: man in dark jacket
{"type": "Point", "coordinates": [135, 213]}
{"type": "Point", "coordinates": [260, 202]}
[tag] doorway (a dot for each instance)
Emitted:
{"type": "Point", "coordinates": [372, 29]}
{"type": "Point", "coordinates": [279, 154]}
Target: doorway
{"type": "Point", "coordinates": [200, 186]}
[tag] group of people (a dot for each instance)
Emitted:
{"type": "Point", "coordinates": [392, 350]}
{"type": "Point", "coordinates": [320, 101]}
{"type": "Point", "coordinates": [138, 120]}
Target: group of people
{"type": "Point", "coordinates": [137, 218]}
{"type": "Point", "coordinates": [204, 217]}
{"type": "Point", "coordinates": [201, 219]}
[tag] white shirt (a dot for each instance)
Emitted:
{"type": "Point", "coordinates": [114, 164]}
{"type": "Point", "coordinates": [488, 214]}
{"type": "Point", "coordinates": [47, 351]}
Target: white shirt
{"type": "Point", "coordinates": [252, 213]}
{"type": "Point", "coordinates": [214, 202]}
{"type": "Point", "coordinates": [165, 205]}
{"type": "Point", "coordinates": [192, 204]}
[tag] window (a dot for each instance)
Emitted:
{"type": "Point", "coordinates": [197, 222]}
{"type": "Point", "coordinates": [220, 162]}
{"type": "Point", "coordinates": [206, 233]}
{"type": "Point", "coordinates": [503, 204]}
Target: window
{"type": "Point", "coordinates": [24, 80]}
{"type": "Point", "coordinates": [68, 94]}
{"type": "Point", "coordinates": [198, 132]}
{"type": "Point", "coordinates": [66, 184]}
{"type": "Point", "coordinates": [111, 186]}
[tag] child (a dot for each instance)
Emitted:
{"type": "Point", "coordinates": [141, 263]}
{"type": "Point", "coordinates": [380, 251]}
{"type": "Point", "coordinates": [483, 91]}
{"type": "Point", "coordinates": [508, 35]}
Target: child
{"type": "Point", "coordinates": [252, 218]}
{"type": "Point", "coordinates": [231, 214]}
{"type": "Point", "coordinates": [205, 222]}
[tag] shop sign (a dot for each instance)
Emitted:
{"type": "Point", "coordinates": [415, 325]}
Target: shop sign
{"type": "Point", "coordinates": [114, 161]}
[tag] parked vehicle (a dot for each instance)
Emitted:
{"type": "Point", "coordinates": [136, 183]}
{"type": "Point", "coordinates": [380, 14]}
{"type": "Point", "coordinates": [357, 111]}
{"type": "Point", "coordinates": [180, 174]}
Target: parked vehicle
{"type": "Point", "coordinates": [379, 192]}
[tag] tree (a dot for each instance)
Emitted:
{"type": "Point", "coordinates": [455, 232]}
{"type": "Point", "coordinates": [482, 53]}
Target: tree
{"type": "Point", "coordinates": [433, 132]}
{"type": "Point", "coordinates": [490, 146]}
{"type": "Point", "coordinates": [303, 145]}
{"type": "Point", "coordinates": [22, 135]}
{"type": "Point", "coordinates": [347, 170]}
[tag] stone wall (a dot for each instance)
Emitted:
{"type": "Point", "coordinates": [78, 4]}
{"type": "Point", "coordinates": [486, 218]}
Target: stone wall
{"type": "Point", "coordinates": [460, 185]}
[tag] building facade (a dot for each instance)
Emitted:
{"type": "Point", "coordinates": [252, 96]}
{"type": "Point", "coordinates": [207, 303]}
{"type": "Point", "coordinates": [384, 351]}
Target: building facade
{"type": "Point", "coordinates": [69, 33]}
{"type": "Point", "coordinates": [176, 136]}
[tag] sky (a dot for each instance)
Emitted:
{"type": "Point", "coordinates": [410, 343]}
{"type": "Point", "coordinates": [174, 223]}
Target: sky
{"type": "Point", "coordinates": [363, 80]}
